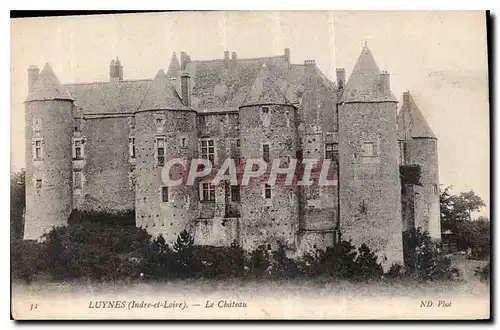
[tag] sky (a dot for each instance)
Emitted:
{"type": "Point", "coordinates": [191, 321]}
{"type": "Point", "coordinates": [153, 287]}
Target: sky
{"type": "Point", "coordinates": [440, 57]}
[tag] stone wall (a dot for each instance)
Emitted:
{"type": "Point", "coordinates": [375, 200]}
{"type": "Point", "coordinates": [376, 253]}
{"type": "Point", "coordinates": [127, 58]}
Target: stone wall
{"type": "Point", "coordinates": [423, 152]}
{"type": "Point", "coordinates": [370, 193]}
{"type": "Point", "coordinates": [268, 221]}
{"type": "Point", "coordinates": [50, 204]}
{"type": "Point", "coordinates": [157, 217]}
{"type": "Point", "coordinates": [106, 174]}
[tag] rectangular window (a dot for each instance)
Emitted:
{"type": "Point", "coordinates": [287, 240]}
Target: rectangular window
{"type": "Point", "coordinates": [208, 150]}
{"type": "Point", "coordinates": [265, 110]}
{"type": "Point", "coordinates": [267, 191]}
{"type": "Point", "coordinates": [78, 152]}
{"type": "Point", "coordinates": [235, 193]}
{"type": "Point", "coordinates": [183, 142]}
{"type": "Point", "coordinates": [131, 146]}
{"type": "Point", "coordinates": [38, 185]}
{"type": "Point", "coordinates": [332, 151]}
{"type": "Point", "coordinates": [160, 151]}
{"type": "Point", "coordinates": [368, 149]}
{"type": "Point", "coordinates": [265, 152]}
{"type": "Point", "coordinates": [38, 150]}
{"type": "Point", "coordinates": [207, 192]}
{"type": "Point", "coordinates": [77, 179]}
{"type": "Point", "coordinates": [78, 149]}
{"type": "Point", "coordinates": [164, 194]}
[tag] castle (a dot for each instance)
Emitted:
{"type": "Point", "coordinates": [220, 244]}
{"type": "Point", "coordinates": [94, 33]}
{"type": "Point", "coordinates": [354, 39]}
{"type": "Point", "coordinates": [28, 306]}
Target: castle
{"type": "Point", "coordinates": [101, 146]}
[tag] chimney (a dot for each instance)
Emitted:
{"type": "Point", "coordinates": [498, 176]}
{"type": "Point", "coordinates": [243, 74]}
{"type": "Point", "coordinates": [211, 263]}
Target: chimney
{"type": "Point", "coordinates": [234, 57]}
{"type": "Point", "coordinates": [33, 73]}
{"type": "Point", "coordinates": [226, 59]}
{"type": "Point", "coordinates": [340, 77]}
{"type": "Point", "coordinates": [184, 60]}
{"type": "Point", "coordinates": [406, 97]}
{"type": "Point", "coordinates": [112, 70]}
{"type": "Point", "coordinates": [115, 70]}
{"type": "Point", "coordinates": [185, 89]}
{"type": "Point", "coordinates": [119, 68]}
{"type": "Point", "coordinates": [287, 55]}
{"type": "Point", "coordinates": [385, 85]}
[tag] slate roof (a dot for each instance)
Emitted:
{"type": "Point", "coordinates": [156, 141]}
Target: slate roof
{"type": "Point", "coordinates": [173, 67]}
{"type": "Point", "coordinates": [162, 95]}
{"type": "Point", "coordinates": [48, 87]}
{"type": "Point", "coordinates": [411, 121]}
{"type": "Point", "coordinates": [264, 90]}
{"type": "Point", "coordinates": [113, 96]}
{"type": "Point", "coordinates": [214, 87]}
{"type": "Point", "coordinates": [363, 84]}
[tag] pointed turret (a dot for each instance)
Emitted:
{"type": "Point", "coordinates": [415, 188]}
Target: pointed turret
{"type": "Point", "coordinates": [162, 95]}
{"type": "Point", "coordinates": [367, 83]}
{"type": "Point", "coordinates": [264, 90]}
{"type": "Point", "coordinates": [173, 67]}
{"type": "Point", "coordinates": [48, 87]}
{"type": "Point", "coordinates": [411, 121]}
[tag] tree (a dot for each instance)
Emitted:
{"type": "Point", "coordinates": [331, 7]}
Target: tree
{"type": "Point", "coordinates": [457, 208]}
{"type": "Point", "coordinates": [456, 215]}
{"type": "Point", "coordinates": [17, 203]}
{"type": "Point", "coordinates": [188, 264]}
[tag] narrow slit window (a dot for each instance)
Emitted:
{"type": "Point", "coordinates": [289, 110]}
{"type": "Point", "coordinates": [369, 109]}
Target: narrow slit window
{"type": "Point", "coordinates": [267, 192]}
{"type": "Point", "coordinates": [164, 194]}
{"type": "Point", "coordinates": [265, 152]}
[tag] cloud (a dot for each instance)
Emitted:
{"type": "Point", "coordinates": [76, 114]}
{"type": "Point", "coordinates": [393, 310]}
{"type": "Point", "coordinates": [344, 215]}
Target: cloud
{"type": "Point", "coordinates": [464, 79]}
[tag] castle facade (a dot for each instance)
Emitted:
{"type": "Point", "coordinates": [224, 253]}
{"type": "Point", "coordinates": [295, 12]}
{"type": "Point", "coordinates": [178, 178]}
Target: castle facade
{"type": "Point", "coordinates": [101, 146]}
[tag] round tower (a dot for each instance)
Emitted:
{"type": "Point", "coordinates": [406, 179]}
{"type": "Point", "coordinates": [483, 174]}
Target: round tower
{"type": "Point", "coordinates": [165, 130]}
{"type": "Point", "coordinates": [421, 149]}
{"type": "Point", "coordinates": [370, 194]}
{"type": "Point", "coordinates": [268, 132]}
{"type": "Point", "coordinates": [48, 133]}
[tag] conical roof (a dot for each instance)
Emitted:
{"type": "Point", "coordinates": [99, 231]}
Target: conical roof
{"type": "Point", "coordinates": [173, 67]}
{"type": "Point", "coordinates": [264, 90]}
{"type": "Point", "coordinates": [48, 87]}
{"type": "Point", "coordinates": [411, 121]}
{"type": "Point", "coordinates": [161, 95]}
{"type": "Point", "coordinates": [364, 83]}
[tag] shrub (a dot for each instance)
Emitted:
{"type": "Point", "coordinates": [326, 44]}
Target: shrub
{"type": "Point", "coordinates": [188, 264]}
{"type": "Point", "coordinates": [342, 261]}
{"type": "Point", "coordinates": [428, 264]}
{"type": "Point", "coordinates": [259, 262]}
{"type": "Point", "coordinates": [161, 259]}
{"type": "Point", "coordinates": [90, 250]}
{"type": "Point", "coordinates": [396, 271]}
{"type": "Point", "coordinates": [483, 272]}
{"type": "Point", "coordinates": [282, 266]}
{"type": "Point", "coordinates": [367, 267]}
{"type": "Point", "coordinates": [221, 262]}
{"type": "Point", "coordinates": [28, 260]}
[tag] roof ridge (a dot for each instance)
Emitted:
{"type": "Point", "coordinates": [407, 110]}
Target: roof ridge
{"type": "Point", "coordinates": [106, 82]}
